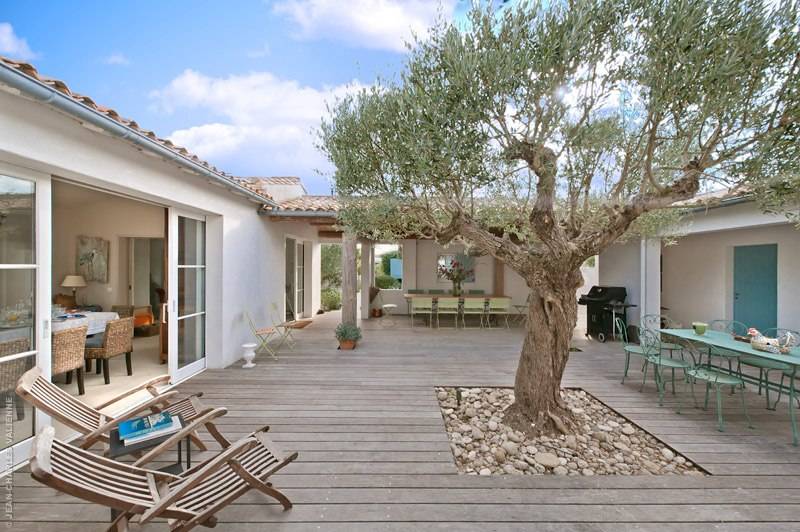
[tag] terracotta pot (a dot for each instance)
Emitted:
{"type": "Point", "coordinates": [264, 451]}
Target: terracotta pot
{"type": "Point", "coordinates": [377, 312]}
{"type": "Point", "coordinates": [347, 345]}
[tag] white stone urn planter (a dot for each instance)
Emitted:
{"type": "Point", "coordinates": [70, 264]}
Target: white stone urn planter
{"type": "Point", "coordinates": [249, 354]}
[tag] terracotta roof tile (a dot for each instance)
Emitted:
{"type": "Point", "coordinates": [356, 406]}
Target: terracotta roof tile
{"type": "Point", "coordinates": [276, 180]}
{"type": "Point", "coordinates": [310, 203]}
{"type": "Point", "coordinates": [59, 85]}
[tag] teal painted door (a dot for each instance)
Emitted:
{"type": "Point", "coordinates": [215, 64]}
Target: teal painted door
{"type": "Point", "coordinates": [755, 285]}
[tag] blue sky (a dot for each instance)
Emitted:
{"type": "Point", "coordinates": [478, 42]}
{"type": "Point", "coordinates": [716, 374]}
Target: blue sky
{"type": "Point", "coordinates": [242, 84]}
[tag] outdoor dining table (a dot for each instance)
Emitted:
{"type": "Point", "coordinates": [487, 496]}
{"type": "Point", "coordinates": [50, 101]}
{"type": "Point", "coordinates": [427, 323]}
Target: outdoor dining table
{"type": "Point", "coordinates": [723, 340]}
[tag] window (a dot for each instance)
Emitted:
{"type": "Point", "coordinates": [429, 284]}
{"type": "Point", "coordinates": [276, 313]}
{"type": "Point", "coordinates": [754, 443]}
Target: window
{"type": "Point", "coordinates": [301, 279]}
{"type": "Point", "coordinates": [191, 290]}
{"type": "Point", "coordinates": [17, 302]}
{"type": "Point", "coordinates": [388, 266]}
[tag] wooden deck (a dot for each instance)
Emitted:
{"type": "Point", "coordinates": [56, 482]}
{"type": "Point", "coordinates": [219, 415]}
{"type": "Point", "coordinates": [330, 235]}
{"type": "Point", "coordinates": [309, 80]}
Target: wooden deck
{"type": "Point", "coordinates": [374, 455]}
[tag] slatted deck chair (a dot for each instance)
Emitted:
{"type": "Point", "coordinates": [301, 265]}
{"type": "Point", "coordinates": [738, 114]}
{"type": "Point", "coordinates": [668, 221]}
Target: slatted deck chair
{"type": "Point", "coordinates": [187, 500]}
{"type": "Point", "coordinates": [95, 426]}
{"type": "Point", "coordinates": [264, 335]}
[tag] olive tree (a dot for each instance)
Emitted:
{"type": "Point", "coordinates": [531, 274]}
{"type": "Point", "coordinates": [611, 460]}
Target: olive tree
{"type": "Point", "coordinates": [540, 135]}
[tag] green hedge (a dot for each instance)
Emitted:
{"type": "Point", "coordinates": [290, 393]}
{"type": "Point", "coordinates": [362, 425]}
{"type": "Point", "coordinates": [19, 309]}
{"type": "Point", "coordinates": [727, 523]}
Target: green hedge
{"type": "Point", "coordinates": [331, 299]}
{"type": "Point", "coordinates": [386, 281]}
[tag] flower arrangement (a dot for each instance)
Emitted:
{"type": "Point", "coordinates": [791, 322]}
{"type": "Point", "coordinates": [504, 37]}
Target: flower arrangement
{"type": "Point", "coordinates": [456, 272]}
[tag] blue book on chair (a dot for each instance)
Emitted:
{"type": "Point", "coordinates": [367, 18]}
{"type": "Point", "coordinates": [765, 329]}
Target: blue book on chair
{"type": "Point", "coordinates": [144, 425]}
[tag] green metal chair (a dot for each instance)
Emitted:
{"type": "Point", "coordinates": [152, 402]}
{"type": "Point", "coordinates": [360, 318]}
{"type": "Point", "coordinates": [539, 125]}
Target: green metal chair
{"type": "Point", "coordinates": [650, 342]}
{"type": "Point", "coordinates": [476, 292]}
{"type": "Point", "coordinates": [408, 301]}
{"type": "Point", "coordinates": [765, 366]}
{"type": "Point", "coordinates": [522, 310]}
{"type": "Point", "coordinates": [714, 377]}
{"type": "Point", "coordinates": [473, 307]}
{"type": "Point", "coordinates": [447, 305]}
{"type": "Point", "coordinates": [731, 327]}
{"type": "Point", "coordinates": [422, 305]}
{"type": "Point", "coordinates": [655, 322]}
{"type": "Point", "coordinates": [498, 306]}
{"type": "Point", "coordinates": [628, 347]}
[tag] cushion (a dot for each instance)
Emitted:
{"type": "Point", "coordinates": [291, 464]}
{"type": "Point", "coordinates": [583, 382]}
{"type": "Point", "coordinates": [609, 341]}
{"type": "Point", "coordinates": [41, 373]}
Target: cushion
{"type": "Point", "coordinates": [143, 317]}
{"type": "Point", "coordinates": [95, 341]}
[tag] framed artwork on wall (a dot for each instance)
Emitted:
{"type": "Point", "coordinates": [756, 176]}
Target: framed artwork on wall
{"type": "Point", "coordinates": [92, 258]}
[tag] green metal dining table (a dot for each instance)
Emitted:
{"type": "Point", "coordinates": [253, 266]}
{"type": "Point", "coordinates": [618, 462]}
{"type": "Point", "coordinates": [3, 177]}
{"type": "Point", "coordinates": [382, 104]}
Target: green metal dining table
{"type": "Point", "coordinates": [722, 340]}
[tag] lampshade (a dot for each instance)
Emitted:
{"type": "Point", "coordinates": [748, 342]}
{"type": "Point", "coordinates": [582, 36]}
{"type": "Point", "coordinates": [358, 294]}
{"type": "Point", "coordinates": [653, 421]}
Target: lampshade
{"type": "Point", "coordinates": [73, 281]}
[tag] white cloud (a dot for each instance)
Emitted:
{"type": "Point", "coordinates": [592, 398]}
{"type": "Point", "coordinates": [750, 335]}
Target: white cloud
{"type": "Point", "coordinates": [14, 46]}
{"type": "Point", "coordinates": [117, 59]}
{"type": "Point", "coordinates": [377, 24]}
{"type": "Point", "coordinates": [261, 124]}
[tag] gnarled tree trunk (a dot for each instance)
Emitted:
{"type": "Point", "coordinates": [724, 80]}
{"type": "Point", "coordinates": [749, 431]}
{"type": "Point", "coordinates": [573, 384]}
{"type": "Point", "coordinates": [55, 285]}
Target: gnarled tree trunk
{"type": "Point", "coordinates": [552, 314]}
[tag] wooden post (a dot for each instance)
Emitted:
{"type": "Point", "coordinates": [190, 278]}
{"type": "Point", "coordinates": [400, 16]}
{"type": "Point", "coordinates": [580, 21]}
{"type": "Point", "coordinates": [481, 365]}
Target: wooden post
{"type": "Point", "coordinates": [367, 272]}
{"type": "Point", "coordinates": [499, 278]}
{"type": "Point", "coordinates": [349, 281]}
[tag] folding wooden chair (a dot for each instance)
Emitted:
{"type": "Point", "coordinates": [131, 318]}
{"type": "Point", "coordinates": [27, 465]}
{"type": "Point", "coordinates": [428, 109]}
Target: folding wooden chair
{"type": "Point", "coordinates": [284, 328]}
{"type": "Point", "coordinates": [95, 425]}
{"type": "Point", "coordinates": [264, 335]}
{"type": "Point", "coordinates": [186, 500]}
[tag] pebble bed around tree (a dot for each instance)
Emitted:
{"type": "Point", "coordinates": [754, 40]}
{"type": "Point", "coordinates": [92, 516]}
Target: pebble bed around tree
{"type": "Point", "coordinates": [607, 445]}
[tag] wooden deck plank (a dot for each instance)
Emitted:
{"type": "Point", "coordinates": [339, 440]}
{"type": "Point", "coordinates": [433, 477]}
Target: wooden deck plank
{"type": "Point", "coordinates": [374, 455]}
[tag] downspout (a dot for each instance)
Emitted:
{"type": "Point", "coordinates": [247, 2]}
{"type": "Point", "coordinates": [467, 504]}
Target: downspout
{"type": "Point", "coordinates": [50, 96]}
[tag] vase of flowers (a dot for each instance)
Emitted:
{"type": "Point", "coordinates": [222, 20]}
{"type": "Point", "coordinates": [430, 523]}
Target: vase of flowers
{"type": "Point", "coordinates": [456, 273]}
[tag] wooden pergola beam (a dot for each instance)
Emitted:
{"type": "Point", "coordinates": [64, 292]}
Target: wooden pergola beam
{"type": "Point", "coordinates": [349, 278]}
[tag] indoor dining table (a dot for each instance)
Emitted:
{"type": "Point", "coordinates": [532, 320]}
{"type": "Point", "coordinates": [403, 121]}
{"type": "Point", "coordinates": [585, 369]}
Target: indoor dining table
{"type": "Point", "coordinates": [95, 321]}
{"type": "Point", "coordinates": [725, 341]}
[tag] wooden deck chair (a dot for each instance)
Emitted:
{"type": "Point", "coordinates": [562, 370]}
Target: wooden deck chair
{"type": "Point", "coordinates": [285, 327]}
{"type": "Point", "coordinates": [186, 500]}
{"type": "Point", "coordinates": [264, 335]}
{"type": "Point", "coordinates": [95, 426]}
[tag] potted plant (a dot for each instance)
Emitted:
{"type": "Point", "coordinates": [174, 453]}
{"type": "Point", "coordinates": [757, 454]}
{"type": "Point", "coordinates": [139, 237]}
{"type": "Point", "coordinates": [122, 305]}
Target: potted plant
{"type": "Point", "coordinates": [455, 272]}
{"type": "Point", "coordinates": [347, 335]}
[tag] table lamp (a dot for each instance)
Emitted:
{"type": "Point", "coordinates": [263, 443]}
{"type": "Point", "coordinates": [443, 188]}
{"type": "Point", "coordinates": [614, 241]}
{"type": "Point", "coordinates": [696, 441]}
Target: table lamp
{"type": "Point", "coordinates": [74, 282]}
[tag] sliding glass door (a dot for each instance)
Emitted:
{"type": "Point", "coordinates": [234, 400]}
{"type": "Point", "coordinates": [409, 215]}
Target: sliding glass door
{"type": "Point", "coordinates": [300, 296]}
{"type": "Point", "coordinates": [24, 308]}
{"type": "Point", "coordinates": [187, 289]}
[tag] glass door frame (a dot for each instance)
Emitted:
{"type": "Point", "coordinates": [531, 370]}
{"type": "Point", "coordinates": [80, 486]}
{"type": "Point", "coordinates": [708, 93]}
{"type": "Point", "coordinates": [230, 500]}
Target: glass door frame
{"type": "Point", "coordinates": [19, 452]}
{"type": "Point", "coordinates": [176, 372]}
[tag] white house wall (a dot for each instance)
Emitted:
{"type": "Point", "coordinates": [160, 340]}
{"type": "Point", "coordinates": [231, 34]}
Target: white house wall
{"type": "Point", "coordinates": [620, 265]}
{"type": "Point", "coordinates": [698, 273]}
{"type": "Point", "coordinates": [245, 251]}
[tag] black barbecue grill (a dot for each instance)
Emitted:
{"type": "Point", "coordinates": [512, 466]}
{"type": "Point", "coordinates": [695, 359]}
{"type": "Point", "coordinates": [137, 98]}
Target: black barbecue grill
{"type": "Point", "coordinates": [603, 305]}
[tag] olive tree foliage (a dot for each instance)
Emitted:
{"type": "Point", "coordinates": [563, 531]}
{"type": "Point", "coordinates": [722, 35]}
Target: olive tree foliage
{"type": "Point", "coordinates": [542, 134]}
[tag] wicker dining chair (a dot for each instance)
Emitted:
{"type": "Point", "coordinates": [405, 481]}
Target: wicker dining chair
{"type": "Point", "coordinates": [68, 352]}
{"type": "Point", "coordinates": [12, 370]}
{"type": "Point", "coordinates": [116, 340]}
{"type": "Point", "coordinates": [123, 311]}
